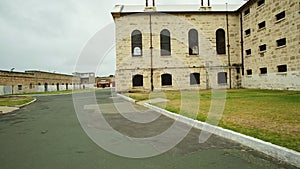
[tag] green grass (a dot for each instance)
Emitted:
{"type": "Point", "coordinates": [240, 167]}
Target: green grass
{"type": "Point", "coordinates": [270, 115]}
{"type": "Point", "coordinates": [12, 101]}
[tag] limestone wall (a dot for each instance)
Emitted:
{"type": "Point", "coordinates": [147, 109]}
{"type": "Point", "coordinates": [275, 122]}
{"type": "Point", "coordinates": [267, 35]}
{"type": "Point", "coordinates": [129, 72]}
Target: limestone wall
{"type": "Point", "coordinates": [289, 54]}
{"type": "Point", "coordinates": [180, 64]}
{"type": "Point", "coordinates": [35, 81]}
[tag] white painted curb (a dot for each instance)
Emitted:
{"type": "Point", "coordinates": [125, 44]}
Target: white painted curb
{"type": "Point", "coordinates": [278, 152]}
{"type": "Point", "coordinates": [20, 106]}
{"type": "Point", "coordinates": [126, 98]}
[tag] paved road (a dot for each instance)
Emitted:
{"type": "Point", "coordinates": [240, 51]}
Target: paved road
{"type": "Point", "coordinates": [47, 135]}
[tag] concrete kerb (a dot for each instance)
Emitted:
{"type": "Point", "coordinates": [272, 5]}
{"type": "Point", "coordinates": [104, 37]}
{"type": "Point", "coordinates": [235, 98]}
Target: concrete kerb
{"type": "Point", "coordinates": [278, 152]}
{"type": "Point", "coordinates": [6, 110]}
{"type": "Point", "coordinates": [20, 106]}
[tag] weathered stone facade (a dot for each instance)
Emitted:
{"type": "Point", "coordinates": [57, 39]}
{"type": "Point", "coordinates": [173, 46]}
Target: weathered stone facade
{"type": "Point", "coordinates": [35, 81]}
{"type": "Point", "coordinates": [287, 54]}
{"type": "Point", "coordinates": [207, 63]}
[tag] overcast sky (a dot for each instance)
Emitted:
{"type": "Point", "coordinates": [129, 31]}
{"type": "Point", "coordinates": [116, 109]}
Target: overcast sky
{"type": "Point", "coordinates": [49, 35]}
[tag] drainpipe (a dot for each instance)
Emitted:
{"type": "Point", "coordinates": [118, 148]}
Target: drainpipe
{"type": "Point", "coordinates": [242, 43]}
{"type": "Point", "coordinates": [151, 51]}
{"type": "Point", "coordinates": [228, 46]}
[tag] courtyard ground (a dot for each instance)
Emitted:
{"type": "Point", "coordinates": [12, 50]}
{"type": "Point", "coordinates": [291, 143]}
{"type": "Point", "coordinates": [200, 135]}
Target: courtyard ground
{"type": "Point", "coordinates": [47, 134]}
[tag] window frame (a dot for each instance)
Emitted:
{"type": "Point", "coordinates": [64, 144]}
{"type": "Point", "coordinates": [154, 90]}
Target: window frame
{"type": "Point", "coordinates": [263, 70]}
{"type": "Point", "coordinates": [165, 43]}
{"type": "Point", "coordinates": [247, 12]}
{"type": "Point", "coordinates": [20, 87]}
{"type": "Point", "coordinates": [221, 41]}
{"type": "Point", "coordinates": [248, 32]}
{"type": "Point", "coordinates": [248, 52]}
{"type": "Point", "coordinates": [282, 68]}
{"type": "Point", "coordinates": [136, 42]}
{"type": "Point", "coordinates": [193, 38]}
{"type": "Point", "coordinates": [279, 41]}
{"type": "Point", "coordinates": [135, 83]}
{"type": "Point", "coordinates": [165, 81]}
{"type": "Point", "coordinates": [195, 80]}
{"type": "Point", "coordinates": [280, 16]}
{"type": "Point", "coordinates": [222, 80]}
{"type": "Point", "coordinates": [262, 25]}
{"type": "Point", "coordinates": [249, 72]}
{"type": "Point", "coordinates": [260, 3]}
{"type": "Point", "coordinates": [262, 48]}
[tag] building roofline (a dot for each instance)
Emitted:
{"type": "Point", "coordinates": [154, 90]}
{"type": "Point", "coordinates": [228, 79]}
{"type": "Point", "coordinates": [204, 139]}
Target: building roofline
{"type": "Point", "coordinates": [121, 9]}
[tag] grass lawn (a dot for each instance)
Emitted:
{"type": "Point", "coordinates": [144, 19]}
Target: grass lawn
{"type": "Point", "coordinates": [270, 115]}
{"type": "Point", "coordinates": [12, 101]}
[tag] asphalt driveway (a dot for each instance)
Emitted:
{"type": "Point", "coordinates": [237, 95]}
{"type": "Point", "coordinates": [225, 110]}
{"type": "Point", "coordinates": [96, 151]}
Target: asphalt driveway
{"type": "Point", "coordinates": [48, 135]}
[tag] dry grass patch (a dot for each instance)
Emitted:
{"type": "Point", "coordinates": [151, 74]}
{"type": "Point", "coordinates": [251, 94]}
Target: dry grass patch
{"type": "Point", "coordinates": [12, 101]}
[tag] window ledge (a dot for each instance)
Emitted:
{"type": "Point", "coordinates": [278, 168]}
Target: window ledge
{"type": "Point", "coordinates": [136, 56]}
{"type": "Point", "coordinates": [277, 21]}
{"type": "Point", "coordinates": [246, 36]}
{"type": "Point", "coordinates": [248, 55]}
{"type": "Point", "coordinates": [261, 29]}
{"type": "Point", "coordinates": [279, 47]}
{"type": "Point", "coordinates": [195, 85]}
{"type": "Point", "coordinates": [167, 86]}
{"type": "Point", "coordinates": [248, 76]}
{"type": "Point", "coordinates": [281, 73]}
{"type": "Point", "coordinates": [263, 74]}
{"type": "Point", "coordinates": [260, 6]}
{"type": "Point", "coordinates": [262, 52]}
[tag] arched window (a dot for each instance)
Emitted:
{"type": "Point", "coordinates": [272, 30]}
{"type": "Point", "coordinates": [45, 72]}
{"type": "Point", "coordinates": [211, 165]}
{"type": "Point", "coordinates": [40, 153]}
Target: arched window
{"type": "Point", "coordinates": [220, 41]}
{"type": "Point", "coordinates": [193, 42]}
{"type": "Point", "coordinates": [165, 43]}
{"type": "Point", "coordinates": [222, 78]}
{"type": "Point", "coordinates": [136, 43]}
{"type": "Point", "coordinates": [194, 78]}
{"type": "Point", "coordinates": [137, 81]}
{"type": "Point", "coordinates": [166, 80]}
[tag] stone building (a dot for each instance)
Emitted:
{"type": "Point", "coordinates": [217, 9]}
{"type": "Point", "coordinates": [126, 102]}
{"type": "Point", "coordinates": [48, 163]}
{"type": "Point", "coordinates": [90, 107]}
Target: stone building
{"type": "Point", "coordinates": [87, 79]}
{"type": "Point", "coordinates": [204, 46]}
{"type": "Point", "coordinates": [36, 81]}
{"type": "Point", "coordinates": [104, 82]}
